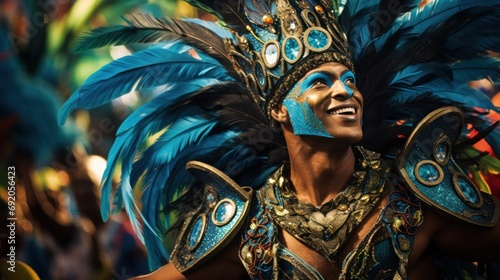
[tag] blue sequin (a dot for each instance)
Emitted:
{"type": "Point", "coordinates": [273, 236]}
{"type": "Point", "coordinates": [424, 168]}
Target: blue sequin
{"type": "Point", "coordinates": [196, 232]}
{"type": "Point", "coordinates": [468, 190]}
{"type": "Point", "coordinates": [317, 39]}
{"type": "Point", "coordinates": [428, 172]}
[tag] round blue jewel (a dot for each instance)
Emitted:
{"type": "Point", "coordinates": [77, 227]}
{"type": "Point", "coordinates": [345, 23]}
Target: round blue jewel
{"type": "Point", "coordinates": [196, 232]}
{"type": "Point", "coordinates": [224, 212]}
{"type": "Point", "coordinates": [292, 49]}
{"type": "Point", "coordinates": [428, 172]}
{"type": "Point", "coordinates": [468, 191]}
{"type": "Point", "coordinates": [317, 39]}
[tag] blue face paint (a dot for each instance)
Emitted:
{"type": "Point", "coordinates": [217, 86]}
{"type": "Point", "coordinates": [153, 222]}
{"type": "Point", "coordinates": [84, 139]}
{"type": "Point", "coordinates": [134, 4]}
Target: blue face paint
{"type": "Point", "coordinates": [304, 120]}
{"type": "Point", "coordinates": [302, 117]}
{"type": "Point", "coordinates": [346, 77]}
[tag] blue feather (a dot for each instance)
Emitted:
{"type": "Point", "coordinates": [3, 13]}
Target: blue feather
{"type": "Point", "coordinates": [214, 27]}
{"type": "Point", "coordinates": [146, 120]}
{"type": "Point", "coordinates": [465, 71]}
{"type": "Point", "coordinates": [420, 20]}
{"type": "Point", "coordinates": [166, 180]}
{"type": "Point", "coordinates": [142, 70]}
{"type": "Point", "coordinates": [480, 33]}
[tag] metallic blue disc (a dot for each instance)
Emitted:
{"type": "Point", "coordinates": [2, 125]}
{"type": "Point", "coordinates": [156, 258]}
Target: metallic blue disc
{"type": "Point", "coordinates": [318, 40]}
{"type": "Point", "coordinates": [468, 191]}
{"type": "Point", "coordinates": [292, 49]}
{"type": "Point", "coordinates": [428, 172]}
{"type": "Point", "coordinates": [224, 212]}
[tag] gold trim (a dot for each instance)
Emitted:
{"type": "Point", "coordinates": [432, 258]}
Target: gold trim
{"type": "Point", "coordinates": [304, 14]}
{"type": "Point", "coordinates": [219, 175]}
{"type": "Point", "coordinates": [227, 220]}
{"type": "Point", "coordinates": [425, 182]}
{"type": "Point", "coordinates": [200, 237]}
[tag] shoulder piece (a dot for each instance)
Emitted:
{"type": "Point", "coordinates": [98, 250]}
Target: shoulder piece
{"type": "Point", "coordinates": [429, 171]}
{"type": "Point", "coordinates": [215, 222]}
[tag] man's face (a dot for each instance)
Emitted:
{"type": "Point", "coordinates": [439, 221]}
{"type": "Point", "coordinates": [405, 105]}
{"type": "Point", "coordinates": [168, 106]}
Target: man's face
{"type": "Point", "coordinates": [326, 103]}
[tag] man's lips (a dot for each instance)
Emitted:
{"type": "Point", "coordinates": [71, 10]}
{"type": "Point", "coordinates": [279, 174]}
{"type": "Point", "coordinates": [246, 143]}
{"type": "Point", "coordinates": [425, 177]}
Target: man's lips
{"type": "Point", "coordinates": [345, 110]}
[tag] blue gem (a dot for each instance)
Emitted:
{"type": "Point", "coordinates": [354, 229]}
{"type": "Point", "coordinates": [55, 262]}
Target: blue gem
{"type": "Point", "coordinates": [259, 72]}
{"type": "Point", "coordinates": [428, 172]}
{"type": "Point", "coordinates": [292, 49]}
{"type": "Point", "coordinates": [441, 152]}
{"type": "Point", "coordinates": [317, 39]}
{"type": "Point", "coordinates": [224, 212]}
{"type": "Point", "coordinates": [196, 231]}
{"type": "Point", "coordinates": [468, 191]}
{"type": "Point", "coordinates": [211, 199]}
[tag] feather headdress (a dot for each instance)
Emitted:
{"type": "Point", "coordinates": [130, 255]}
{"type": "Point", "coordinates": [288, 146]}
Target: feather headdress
{"type": "Point", "coordinates": [216, 84]}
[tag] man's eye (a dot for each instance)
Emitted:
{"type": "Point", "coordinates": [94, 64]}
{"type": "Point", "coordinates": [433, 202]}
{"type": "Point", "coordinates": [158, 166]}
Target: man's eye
{"type": "Point", "coordinates": [319, 82]}
{"type": "Point", "coordinates": [350, 80]}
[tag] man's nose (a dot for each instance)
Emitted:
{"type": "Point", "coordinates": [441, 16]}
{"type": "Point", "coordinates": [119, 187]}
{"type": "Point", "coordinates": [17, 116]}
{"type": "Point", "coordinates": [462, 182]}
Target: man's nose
{"type": "Point", "coordinates": [340, 91]}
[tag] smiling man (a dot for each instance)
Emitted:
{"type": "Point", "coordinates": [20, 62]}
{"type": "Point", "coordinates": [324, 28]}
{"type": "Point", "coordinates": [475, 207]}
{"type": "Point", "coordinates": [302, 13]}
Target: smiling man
{"type": "Point", "coordinates": [334, 210]}
{"type": "Point", "coordinates": [257, 170]}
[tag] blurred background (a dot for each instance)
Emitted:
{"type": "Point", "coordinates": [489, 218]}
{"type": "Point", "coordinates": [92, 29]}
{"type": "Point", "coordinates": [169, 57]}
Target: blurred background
{"type": "Point", "coordinates": [59, 232]}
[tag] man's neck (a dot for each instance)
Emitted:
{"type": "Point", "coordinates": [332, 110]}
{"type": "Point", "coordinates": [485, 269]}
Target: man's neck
{"type": "Point", "coordinates": [318, 174]}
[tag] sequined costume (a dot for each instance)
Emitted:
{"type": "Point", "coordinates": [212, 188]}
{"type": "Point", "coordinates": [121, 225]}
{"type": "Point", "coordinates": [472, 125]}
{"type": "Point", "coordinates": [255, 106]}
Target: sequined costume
{"type": "Point", "coordinates": [383, 253]}
{"type": "Point", "coordinates": [208, 90]}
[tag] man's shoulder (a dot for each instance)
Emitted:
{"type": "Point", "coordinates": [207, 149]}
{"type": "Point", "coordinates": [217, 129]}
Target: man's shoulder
{"type": "Point", "coordinates": [211, 226]}
{"type": "Point", "coordinates": [428, 169]}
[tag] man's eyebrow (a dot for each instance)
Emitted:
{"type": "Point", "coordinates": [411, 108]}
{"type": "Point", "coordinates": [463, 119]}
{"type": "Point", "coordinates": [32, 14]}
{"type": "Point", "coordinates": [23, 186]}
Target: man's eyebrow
{"type": "Point", "coordinates": [327, 73]}
{"type": "Point", "coordinates": [347, 70]}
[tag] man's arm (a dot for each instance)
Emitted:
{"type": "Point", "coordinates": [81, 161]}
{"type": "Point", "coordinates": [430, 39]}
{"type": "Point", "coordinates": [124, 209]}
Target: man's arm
{"type": "Point", "coordinates": [461, 240]}
{"type": "Point", "coordinates": [226, 265]}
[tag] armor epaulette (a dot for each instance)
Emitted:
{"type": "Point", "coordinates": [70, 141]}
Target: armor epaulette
{"type": "Point", "coordinates": [430, 172]}
{"type": "Point", "coordinates": [215, 222]}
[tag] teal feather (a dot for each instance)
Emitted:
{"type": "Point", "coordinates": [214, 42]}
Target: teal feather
{"type": "Point", "coordinates": [142, 70]}
{"type": "Point", "coordinates": [145, 121]}
{"type": "Point", "coordinates": [479, 32]}
{"type": "Point", "coordinates": [476, 68]}
{"type": "Point", "coordinates": [143, 28]}
{"type": "Point", "coordinates": [162, 182]}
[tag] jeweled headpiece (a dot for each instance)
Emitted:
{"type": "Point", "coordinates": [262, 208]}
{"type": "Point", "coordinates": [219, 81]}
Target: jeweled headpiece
{"type": "Point", "coordinates": [280, 41]}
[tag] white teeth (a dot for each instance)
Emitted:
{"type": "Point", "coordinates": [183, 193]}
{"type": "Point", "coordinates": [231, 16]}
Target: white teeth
{"type": "Point", "coordinates": [350, 110]}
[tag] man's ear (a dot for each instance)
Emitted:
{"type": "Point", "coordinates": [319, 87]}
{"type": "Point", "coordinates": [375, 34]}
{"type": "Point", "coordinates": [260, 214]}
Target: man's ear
{"type": "Point", "coordinates": [280, 114]}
